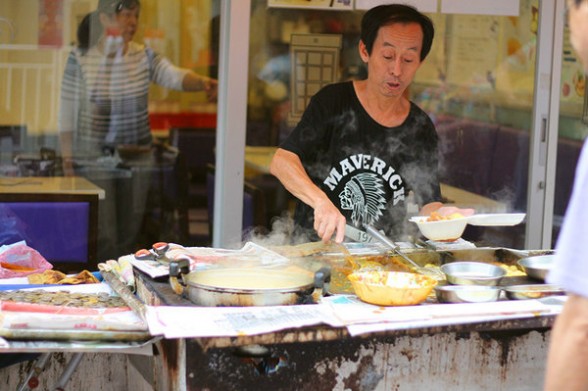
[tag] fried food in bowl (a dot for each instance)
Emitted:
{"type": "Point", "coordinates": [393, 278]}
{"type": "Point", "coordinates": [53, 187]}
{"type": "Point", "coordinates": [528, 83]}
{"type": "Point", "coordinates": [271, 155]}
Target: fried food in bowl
{"type": "Point", "coordinates": [387, 288]}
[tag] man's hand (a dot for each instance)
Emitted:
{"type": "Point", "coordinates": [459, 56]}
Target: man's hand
{"type": "Point", "coordinates": [328, 221]}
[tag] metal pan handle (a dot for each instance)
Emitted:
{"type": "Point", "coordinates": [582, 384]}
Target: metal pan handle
{"type": "Point", "coordinates": [178, 268]}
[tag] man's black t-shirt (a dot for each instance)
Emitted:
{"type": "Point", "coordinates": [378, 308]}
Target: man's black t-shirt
{"type": "Point", "coordinates": [366, 169]}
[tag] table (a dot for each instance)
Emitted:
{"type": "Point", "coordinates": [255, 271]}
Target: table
{"type": "Point", "coordinates": [258, 159]}
{"type": "Point", "coordinates": [57, 216]}
{"type": "Point", "coordinates": [50, 185]}
{"type": "Point", "coordinates": [143, 192]}
{"type": "Point", "coordinates": [467, 199]}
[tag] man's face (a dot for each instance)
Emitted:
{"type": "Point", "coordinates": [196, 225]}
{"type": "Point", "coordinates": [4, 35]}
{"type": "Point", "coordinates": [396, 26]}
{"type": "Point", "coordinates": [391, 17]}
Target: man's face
{"type": "Point", "coordinates": [578, 20]}
{"type": "Point", "coordinates": [395, 57]}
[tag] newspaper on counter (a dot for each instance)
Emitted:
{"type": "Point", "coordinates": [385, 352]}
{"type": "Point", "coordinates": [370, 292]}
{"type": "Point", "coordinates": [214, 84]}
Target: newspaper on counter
{"type": "Point", "coordinates": [193, 322]}
{"type": "Point", "coordinates": [336, 311]}
{"type": "Point", "coordinates": [361, 318]}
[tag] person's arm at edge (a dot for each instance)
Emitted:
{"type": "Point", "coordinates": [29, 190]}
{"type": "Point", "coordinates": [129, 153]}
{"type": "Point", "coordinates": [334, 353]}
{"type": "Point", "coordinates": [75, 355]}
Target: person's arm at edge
{"type": "Point", "coordinates": [328, 220]}
{"type": "Point", "coordinates": [568, 348]}
{"type": "Point", "coordinates": [195, 82]}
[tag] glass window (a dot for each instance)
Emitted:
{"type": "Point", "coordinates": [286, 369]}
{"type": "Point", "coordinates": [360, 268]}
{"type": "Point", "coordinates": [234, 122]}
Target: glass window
{"type": "Point", "coordinates": [476, 85]}
{"type": "Point", "coordinates": [67, 70]}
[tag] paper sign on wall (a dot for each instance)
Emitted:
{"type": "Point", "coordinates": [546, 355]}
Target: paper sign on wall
{"type": "Point", "coordinates": [421, 5]}
{"type": "Point", "coordinates": [481, 7]}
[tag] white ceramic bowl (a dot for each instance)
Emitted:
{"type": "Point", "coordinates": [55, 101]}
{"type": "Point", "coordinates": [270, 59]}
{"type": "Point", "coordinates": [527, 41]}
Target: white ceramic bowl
{"type": "Point", "coordinates": [441, 230]}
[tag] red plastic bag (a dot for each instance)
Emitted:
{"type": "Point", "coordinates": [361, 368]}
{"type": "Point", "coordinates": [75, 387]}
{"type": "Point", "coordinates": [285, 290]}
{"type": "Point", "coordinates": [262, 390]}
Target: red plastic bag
{"type": "Point", "coordinates": [19, 260]}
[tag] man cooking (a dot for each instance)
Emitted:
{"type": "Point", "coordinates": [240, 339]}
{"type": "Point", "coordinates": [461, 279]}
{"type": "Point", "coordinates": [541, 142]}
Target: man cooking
{"type": "Point", "coordinates": [361, 145]}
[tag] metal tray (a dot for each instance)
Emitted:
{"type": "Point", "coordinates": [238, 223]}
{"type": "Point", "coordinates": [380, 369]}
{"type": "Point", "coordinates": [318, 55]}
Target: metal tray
{"type": "Point", "coordinates": [75, 335]}
{"type": "Point", "coordinates": [532, 291]}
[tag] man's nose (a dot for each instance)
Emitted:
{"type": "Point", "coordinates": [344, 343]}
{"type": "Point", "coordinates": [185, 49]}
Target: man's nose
{"type": "Point", "coordinates": [396, 67]}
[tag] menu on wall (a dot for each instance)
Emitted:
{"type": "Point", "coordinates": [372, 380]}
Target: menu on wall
{"type": "Point", "coordinates": [321, 4]}
{"type": "Point", "coordinates": [516, 71]}
{"type": "Point", "coordinates": [434, 68]}
{"type": "Point", "coordinates": [573, 80]}
{"type": "Point", "coordinates": [473, 44]}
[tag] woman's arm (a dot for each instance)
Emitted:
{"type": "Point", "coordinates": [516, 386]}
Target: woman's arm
{"type": "Point", "coordinates": [195, 82]}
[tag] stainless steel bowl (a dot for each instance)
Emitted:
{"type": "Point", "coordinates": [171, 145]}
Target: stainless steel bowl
{"type": "Point", "coordinates": [472, 273]}
{"type": "Point", "coordinates": [537, 266]}
{"type": "Point", "coordinates": [467, 293]}
{"type": "Point", "coordinates": [532, 291]}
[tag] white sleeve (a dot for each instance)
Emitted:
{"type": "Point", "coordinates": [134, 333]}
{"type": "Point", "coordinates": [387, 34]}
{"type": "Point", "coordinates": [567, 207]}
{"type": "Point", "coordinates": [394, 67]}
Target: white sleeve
{"type": "Point", "coordinates": [571, 266]}
{"type": "Point", "coordinates": [70, 95]}
{"type": "Point", "coordinates": [165, 73]}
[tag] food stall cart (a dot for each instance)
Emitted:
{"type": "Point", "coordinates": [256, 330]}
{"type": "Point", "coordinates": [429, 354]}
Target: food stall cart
{"type": "Point", "coordinates": [340, 343]}
{"type": "Point", "coordinates": [488, 350]}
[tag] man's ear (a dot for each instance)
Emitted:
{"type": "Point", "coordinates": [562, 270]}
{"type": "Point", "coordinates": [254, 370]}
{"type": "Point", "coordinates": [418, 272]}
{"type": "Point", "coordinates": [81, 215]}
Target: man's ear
{"type": "Point", "coordinates": [363, 53]}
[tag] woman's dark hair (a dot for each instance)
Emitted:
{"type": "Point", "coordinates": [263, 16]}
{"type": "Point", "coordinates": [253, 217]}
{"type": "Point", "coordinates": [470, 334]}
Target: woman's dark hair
{"type": "Point", "coordinates": [387, 14]}
{"type": "Point", "coordinates": [115, 6]}
{"type": "Point", "coordinates": [90, 29]}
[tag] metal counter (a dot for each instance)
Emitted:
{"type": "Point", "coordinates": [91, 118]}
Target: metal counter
{"type": "Point", "coordinates": [494, 355]}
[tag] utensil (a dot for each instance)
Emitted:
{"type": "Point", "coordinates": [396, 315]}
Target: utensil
{"type": "Point", "coordinates": [375, 233]}
{"type": "Point", "coordinates": [537, 266]}
{"type": "Point", "coordinates": [472, 273]}
{"type": "Point", "coordinates": [466, 293]}
{"type": "Point", "coordinates": [391, 288]}
{"type": "Point", "coordinates": [124, 292]}
{"type": "Point", "coordinates": [357, 234]}
{"type": "Point", "coordinates": [496, 219]}
{"type": "Point", "coordinates": [156, 253]}
{"type": "Point", "coordinates": [532, 291]}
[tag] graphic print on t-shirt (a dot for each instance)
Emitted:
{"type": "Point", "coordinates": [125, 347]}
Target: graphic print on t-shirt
{"type": "Point", "coordinates": [365, 185]}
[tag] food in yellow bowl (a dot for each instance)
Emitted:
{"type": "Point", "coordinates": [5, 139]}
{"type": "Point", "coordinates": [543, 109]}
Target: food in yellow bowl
{"type": "Point", "coordinates": [391, 288]}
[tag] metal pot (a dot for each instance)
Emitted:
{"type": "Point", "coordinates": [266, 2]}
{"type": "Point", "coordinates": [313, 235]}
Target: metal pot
{"type": "Point", "coordinates": [246, 286]}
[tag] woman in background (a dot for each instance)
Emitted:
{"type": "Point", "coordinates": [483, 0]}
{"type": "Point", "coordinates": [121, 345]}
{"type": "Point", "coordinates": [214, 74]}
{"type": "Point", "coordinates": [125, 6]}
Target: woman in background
{"type": "Point", "coordinates": [105, 89]}
{"type": "Point", "coordinates": [104, 104]}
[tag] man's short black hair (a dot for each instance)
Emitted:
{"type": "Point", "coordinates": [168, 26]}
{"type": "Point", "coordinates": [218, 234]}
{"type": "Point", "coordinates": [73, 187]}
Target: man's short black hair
{"type": "Point", "coordinates": [387, 14]}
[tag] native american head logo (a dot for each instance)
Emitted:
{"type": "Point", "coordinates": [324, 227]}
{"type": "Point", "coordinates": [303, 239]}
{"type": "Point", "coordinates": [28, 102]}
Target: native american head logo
{"type": "Point", "coordinates": [364, 195]}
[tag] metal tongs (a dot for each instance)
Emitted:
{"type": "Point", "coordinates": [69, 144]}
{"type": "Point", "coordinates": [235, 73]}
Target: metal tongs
{"type": "Point", "coordinates": [376, 234]}
{"type": "Point", "coordinates": [156, 253]}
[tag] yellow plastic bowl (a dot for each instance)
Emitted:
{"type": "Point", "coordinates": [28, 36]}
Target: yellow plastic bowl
{"type": "Point", "coordinates": [391, 288]}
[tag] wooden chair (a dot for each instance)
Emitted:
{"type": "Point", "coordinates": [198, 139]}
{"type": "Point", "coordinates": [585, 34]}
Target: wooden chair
{"type": "Point", "coordinates": [196, 147]}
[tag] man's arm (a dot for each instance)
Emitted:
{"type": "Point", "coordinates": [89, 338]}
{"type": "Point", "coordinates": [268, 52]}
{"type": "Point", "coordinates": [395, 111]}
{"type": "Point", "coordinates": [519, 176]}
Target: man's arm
{"type": "Point", "coordinates": [568, 349]}
{"type": "Point", "coordinates": [328, 220]}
